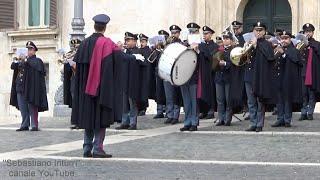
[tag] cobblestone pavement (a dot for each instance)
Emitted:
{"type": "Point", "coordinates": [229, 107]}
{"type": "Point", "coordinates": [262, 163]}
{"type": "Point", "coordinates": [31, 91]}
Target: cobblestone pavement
{"type": "Point", "coordinates": [159, 151]}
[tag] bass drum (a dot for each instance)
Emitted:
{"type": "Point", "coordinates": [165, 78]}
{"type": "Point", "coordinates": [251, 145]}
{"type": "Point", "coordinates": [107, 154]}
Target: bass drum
{"type": "Point", "coordinates": [177, 64]}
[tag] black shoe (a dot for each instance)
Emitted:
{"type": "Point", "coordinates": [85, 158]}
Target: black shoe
{"type": "Point", "coordinates": [34, 129]}
{"type": "Point", "coordinates": [258, 129]}
{"type": "Point", "coordinates": [228, 123]}
{"type": "Point", "coordinates": [185, 128]}
{"type": "Point", "coordinates": [174, 121]}
{"type": "Point", "coordinates": [220, 123]}
{"type": "Point", "coordinates": [275, 112]}
{"type": "Point", "coordinates": [209, 116]}
{"type": "Point", "coordinates": [23, 129]}
{"type": "Point", "coordinates": [202, 115]}
{"type": "Point", "coordinates": [278, 124]}
{"type": "Point", "coordinates": [142, 113]}
{"type": "Point", "coordinates": [193, 128]}
{"type": "Point", "coordinates": [158, 116]}
{"type": "Point", "coordinates": [303, 117]}
{"type": "Point", "coordinates": [101, 154]}
{"type": "Point", "coordinates": [251, 128]}
{"type": "Point", "coordinates": [310, 117]}
{"type": "Point", "coordinates": [132, 128]}
{"type": "Point", "coordinates": [122, 126]}
{"type": "Point", "coordinates": [168, 121]}
{"type": "Point", "coordinates": [287, 125]}
{"type": "Point", "coordinates": [74, 127]}
{"type": "Point", "coordinates": [247, 118]}
{"type": "Point", "coordinates": [87, 154]}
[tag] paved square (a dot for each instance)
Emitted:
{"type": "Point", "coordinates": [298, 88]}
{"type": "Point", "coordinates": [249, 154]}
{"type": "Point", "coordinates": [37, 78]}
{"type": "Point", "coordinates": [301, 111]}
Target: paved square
{"type": "Point", "coordinates": [158, 151]}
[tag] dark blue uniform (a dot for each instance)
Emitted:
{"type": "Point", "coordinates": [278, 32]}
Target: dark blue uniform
{"type": "Point", "coordinates": [19, 86]}
{"type": "Point", "coordinates": [222, 80]}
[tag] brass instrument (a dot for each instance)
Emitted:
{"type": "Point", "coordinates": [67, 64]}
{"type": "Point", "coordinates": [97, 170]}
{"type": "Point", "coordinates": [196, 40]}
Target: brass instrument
{"type": "Point", "coordinates": [277, 53]}
{"type": "Point", "coordinates": [66, 56]}
{"type": "Point", "coordinates": [302, 42]}
{"type": "Point", "coordinates": [241, 55]}
{"type": "Point", "coordinates": [159, 47]}
{"type": "Point", "coordinates": [171, 39]}
{"type": "Point", "coordinates": [19, 59]}
{"type": "Point", "coordinates": [153, 56]}
{"type": "Point", "coordinates": [216, 58]}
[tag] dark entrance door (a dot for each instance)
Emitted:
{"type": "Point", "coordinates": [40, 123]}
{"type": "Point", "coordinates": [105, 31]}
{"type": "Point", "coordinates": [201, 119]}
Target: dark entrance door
{"type": "Point", "coordinates": [275, 13]}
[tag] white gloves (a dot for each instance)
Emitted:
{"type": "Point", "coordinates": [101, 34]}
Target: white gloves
{"type": "Point", "coordinates": [139, 57]}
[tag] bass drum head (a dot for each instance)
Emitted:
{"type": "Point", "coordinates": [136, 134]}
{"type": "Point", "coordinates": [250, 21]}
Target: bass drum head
{"type": "Point", "coordinates": [184, 67]}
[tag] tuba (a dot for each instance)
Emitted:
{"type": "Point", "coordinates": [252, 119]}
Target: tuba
{"type": "Point", "coordinates": [241, 55]}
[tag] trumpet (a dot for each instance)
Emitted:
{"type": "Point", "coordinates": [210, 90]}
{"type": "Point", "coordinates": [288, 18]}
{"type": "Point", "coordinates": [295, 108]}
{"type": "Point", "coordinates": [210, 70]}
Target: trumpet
{"type": "Point", "coordinates": [66, 56]}
{"type": "Point", "coordinates": [277, 52]}
{"type": "Point", "coordinates": [19, 59]}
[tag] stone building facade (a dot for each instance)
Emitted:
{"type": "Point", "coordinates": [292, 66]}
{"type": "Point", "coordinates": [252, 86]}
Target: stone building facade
{"type": "Point", "coordinates": [48, 24]}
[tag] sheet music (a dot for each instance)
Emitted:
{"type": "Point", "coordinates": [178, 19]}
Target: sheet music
{"type": "Point", "coordinates": [194, 38]}
{"type": "Point", "coordinates": [22, 52]}
{"type": "Point", "coordinates": [248, 36]}
{"type": "Point", "coordinates": [156, 40]}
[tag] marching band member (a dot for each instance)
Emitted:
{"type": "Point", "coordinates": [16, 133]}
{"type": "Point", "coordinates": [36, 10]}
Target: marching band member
{"type": "Point", "coordinates": [237, 29]}
{"type": "Point", "coordinates": [288, 75]}
{"type": "Point", "coordinates": [219, 41]}
{"type": "Point", "coordinates": [206, 87]}
{"type": "Point", "coordinates": [222, 80]}
{"type": "Point", "coordinates": [263, 57]}
{"type": "Point", "coordinates": [160, 96]}
{"type": "Point", "coordinates": [145, 74]}
{"type": "Point", "coordinates": [17, 98]}
{"type": "Point", "coordinates": [310, 74]}
{"type": "Point", "coordinates": [101, 80]}
{"type": "Point", "coordinates": [189, 92]}
{"type": "Point", "coordinates": [172, 93]}
{"type": "Point", "coordinates": [69, 68]}
{"type": "Point", "coordinates": [34, 87]}
{"type": "Point", "coordinates": [135, 96]}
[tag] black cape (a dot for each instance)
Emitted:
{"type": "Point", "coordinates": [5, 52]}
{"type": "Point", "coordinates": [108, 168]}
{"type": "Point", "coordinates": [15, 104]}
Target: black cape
{"type": "Point", "coordinates": [262, 78]}
{"type": "Point", "coordinates": [290, 77]}
{"type": "Point", "coordinates": [67, 74]}
{"type": "Point", "coordinates": [160, 96]}
{"type": "Point", "coordinates": [148, 74]}
{"type": "Point", "coordinates": [207, 97]}
{"type": "Point", "coordinates": [13, 94]}
{"type": "Point", "coordinates": [138, 79]}
{"type": "Point", "coordinates": [237, 90]}
{"type": "Point", "coordinates": [35, 84]}
{"type": "Point", "coordinates": [315, 45]}
{"type": "Point", "coordinates": [100, 111]}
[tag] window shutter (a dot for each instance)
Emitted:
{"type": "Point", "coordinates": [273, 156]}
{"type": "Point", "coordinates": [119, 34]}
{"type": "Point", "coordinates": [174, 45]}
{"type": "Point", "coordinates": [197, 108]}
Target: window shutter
{"type": "Point", "coordinates": [53, 13]}
{"type": "Point", "coordinates": [7, 14]}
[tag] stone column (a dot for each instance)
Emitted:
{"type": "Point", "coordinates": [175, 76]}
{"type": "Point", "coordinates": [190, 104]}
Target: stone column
{"type": "Point", "coordinates": [78, 21]}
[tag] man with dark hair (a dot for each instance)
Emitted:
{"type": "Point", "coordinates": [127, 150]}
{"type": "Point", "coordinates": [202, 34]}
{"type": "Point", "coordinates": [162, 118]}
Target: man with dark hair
{"type": "Point", "coordinates": [17, 98]}
{"type": "Point", "coordinates": [206, 92]}
{"type": "Point", "coordinates": [237, 28]}
{"type": "Point", "coordinates": [98, 91]}
{"type": "Point", "coordinates": [222, 80]}
{"type": "Point", "coordinates": [310, 73]}
{"type": "Point", "coordinates": [35, 86]}
{"type": "Point", "coordinates": [259, 92]}
{"type": "Point", "coordinates": [288, 74]}
{"type": "Point", "coordinates": [135, 96]}
{"type": "Point", "coordinates": [173, 94]}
